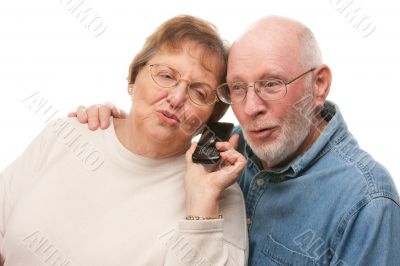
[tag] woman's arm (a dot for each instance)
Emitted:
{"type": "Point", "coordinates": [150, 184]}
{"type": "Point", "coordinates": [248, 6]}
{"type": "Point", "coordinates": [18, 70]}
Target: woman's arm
{"type": "Point", "coordinates": [15, 180]}
{"type": "Point", "coordinates": [214, 241]}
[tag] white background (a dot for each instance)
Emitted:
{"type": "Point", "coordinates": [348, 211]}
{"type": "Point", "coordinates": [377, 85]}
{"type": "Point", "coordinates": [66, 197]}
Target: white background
{"type": "Point", "coordinates": [45, 49]}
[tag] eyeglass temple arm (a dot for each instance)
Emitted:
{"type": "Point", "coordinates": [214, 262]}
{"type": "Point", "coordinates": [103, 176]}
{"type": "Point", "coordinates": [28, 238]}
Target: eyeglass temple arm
{"type": "Point", "coordinates": [299, 76]}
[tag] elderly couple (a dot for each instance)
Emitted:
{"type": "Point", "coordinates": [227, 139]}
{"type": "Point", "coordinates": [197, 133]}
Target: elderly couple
{"type": "Point", "coordinates": [294, 188]}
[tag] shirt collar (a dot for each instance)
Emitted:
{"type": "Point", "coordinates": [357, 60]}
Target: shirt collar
{"type": "Point", "coordinates": [334, 132]}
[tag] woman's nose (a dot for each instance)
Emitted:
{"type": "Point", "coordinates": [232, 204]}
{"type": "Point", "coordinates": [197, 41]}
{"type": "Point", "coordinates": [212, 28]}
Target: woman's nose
{"type": "Point", "coordinates": [177, 96]}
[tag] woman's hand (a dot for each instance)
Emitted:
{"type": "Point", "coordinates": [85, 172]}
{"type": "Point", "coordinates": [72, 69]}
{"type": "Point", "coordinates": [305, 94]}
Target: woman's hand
{"type": "Point", "coordinates": [204, 188]}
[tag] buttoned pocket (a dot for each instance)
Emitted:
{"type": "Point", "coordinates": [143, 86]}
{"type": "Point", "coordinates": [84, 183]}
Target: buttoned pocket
{"type": "Point", "coordinates": [275, 253]}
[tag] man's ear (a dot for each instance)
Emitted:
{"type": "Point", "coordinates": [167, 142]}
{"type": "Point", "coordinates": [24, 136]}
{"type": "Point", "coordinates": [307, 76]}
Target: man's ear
{"type": "Point", "coordinates": [321, 82]}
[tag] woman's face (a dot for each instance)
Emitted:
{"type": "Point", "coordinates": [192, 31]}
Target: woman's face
{"type": "Point", "coordinates": [167, 115]}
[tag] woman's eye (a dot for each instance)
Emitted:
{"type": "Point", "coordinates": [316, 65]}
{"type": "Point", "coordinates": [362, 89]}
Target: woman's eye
{"type": "Point", "coordinates": [165, 75]}
{"type": "Point", "coordinates": [199, 90]}
{"type": "Point", "coordinates": [201, 93]}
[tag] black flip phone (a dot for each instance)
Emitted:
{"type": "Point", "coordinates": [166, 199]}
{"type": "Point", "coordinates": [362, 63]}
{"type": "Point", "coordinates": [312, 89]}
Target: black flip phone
{"type": "Point", "coordinates": [205, 152]}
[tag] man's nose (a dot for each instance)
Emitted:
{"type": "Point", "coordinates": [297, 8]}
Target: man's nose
{"type": "Point", "coordinates": [177, 95]}
{"type": "Point", "coordinates": [253, 104]}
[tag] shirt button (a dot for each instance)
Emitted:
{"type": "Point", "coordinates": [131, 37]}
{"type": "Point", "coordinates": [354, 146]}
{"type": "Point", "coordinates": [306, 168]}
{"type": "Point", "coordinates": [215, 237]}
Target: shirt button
{"type": "Point", "coordinates": [260, 182]}
{"type": "Point", "coordinates": [248, 220]}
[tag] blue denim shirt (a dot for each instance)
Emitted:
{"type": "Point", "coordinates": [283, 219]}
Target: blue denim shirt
{"type": "Point", "coordinates": [333, 205]}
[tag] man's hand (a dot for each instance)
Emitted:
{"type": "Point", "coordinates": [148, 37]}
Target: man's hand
{"type": "Point", "coordinates": [98, 115]}
{"type": "Point", "coordinates": [204, 188]}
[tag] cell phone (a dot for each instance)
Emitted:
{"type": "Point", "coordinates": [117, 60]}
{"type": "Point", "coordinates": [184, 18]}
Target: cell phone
{"type": "Point", "coordinates": [206, 152]}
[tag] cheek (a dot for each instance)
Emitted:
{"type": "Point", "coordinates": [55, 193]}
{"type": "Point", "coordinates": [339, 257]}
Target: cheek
{"type": "Point", "coordinates": [238, 112]}
{"type": "Point", "coordinates": [279, 111]}
{"type": "Point", "coordinates": [196, 116]}
{"type": "Point", "coordinates": [148, 95]}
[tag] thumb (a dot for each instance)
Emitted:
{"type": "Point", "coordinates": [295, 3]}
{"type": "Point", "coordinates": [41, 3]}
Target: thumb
{"type": "Point", "coordinates": [234, 140]}
{"type": "Point", "coordinates": [190, 151]}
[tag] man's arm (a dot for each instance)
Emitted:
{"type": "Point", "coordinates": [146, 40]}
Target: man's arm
{"type": "Point", "coordinates": [371, 236]}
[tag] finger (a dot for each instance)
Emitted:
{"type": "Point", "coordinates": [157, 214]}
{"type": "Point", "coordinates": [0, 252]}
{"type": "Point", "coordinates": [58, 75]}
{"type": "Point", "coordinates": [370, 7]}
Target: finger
{"type": "Point", "coordinates": [190, 151]}
{"type": "Point", "coordinates": [233, 169]}
{"type": "Point", "coordinates": [115, 112]}
{"type": "Point", "coordinates": [93, 116]}
{"type": "Point", "coordinates": [123, 114]}
{"type": "Point", "coordinates": [71, 114]}
{"type": "Point", "coordinates": [230, 156]}
{"type": "Point", "coordinates": [104, 116]}
{"type": "Point", "coordinates": [234, 140]}
{"type": "Point", "coordinates": [228, 174]}
{"type": "Point", "coordinates": [224, 146]}
{"type": "Point", "coordinates": [81, 114]}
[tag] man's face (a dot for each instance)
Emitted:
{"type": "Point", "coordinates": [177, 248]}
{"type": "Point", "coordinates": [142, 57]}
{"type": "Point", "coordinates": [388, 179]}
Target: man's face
{"type": "Point", "coordinates": [273, 129]}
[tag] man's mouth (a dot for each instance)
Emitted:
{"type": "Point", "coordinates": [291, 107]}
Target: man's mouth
{"type": "Point", "coordinates": [261, 132]}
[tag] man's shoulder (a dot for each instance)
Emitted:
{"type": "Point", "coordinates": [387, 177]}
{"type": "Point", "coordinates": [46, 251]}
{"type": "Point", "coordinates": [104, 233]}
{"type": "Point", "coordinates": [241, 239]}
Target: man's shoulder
{"type": "Point", "coordinates": [358, 169]}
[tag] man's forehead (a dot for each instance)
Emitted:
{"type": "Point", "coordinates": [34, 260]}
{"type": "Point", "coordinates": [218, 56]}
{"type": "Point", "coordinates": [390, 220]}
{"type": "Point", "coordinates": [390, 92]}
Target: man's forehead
{"type": "Point", "coordinates": [248, 63]}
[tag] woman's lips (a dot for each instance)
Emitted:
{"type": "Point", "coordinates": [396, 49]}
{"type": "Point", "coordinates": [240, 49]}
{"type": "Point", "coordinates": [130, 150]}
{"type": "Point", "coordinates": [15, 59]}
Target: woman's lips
{"type": "Point", "coordinates": [168, 117]}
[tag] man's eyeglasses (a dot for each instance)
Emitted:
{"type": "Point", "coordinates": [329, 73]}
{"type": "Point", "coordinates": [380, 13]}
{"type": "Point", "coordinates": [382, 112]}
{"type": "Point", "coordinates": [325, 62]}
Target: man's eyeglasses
{"type": "Point", "coordinates": [167, 77]}
{"type": "Point", "coordinates": [268, 89]}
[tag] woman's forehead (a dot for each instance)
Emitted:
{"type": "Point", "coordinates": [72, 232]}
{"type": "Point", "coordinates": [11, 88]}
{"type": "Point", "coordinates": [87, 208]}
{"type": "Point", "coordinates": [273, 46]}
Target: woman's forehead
{"type": "Point", "coordinates": [207, 61]}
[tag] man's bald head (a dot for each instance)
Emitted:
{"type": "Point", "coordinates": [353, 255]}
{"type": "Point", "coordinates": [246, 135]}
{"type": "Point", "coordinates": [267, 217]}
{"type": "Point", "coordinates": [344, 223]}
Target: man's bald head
{"type": "Point", "coordinates": [293, 38]}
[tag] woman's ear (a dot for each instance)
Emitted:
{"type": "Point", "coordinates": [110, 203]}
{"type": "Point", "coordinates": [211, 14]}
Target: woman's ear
{"type": "Point", "coordinates": [322, 83]}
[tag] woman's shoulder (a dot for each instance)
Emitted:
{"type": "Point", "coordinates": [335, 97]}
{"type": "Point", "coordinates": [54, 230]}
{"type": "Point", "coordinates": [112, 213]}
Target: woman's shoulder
{"type": "Point", "coordinates": [69, 131]}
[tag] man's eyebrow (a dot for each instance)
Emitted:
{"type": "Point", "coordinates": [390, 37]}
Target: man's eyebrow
{"type": "Point", "coordinates": [272, 74]}
{"type": "Point", "coordinates": [234, 79]}
{"type": "Point", "coordinates": [265, 75]}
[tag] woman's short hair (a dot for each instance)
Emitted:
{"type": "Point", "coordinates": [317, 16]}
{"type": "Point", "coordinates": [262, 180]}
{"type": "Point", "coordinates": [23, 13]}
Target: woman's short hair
{"type": "Point", "coordinates": [172, 34]}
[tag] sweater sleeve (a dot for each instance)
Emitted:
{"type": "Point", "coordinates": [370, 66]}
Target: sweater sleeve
{"type": "Point", "coordinates": [14, 180]}
{"type": "Point", "coordinates": [212, 242]}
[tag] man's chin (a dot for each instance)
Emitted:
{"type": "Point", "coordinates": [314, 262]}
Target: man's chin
{"type": "Point", "coordinates": [260, 142]}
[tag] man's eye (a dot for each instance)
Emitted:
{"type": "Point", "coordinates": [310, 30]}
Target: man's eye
{"type": "Point", "coordinates": [236, 87]}
{"type": "Point", "coordinates": [271, 84]}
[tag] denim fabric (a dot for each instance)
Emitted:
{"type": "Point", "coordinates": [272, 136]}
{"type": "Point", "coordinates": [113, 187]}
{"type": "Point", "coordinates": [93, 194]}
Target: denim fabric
{"type": "Point", "coordinates": [333, 205]}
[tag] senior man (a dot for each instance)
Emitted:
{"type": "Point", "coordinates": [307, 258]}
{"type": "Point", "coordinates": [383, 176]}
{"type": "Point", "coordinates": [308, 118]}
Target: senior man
{"type": "Point", "coordinates": [313, 197]}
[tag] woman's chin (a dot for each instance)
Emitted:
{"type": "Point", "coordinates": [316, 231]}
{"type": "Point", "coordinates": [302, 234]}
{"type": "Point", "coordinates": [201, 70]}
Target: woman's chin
{"type": "Point", "coordinates": [164, 135]}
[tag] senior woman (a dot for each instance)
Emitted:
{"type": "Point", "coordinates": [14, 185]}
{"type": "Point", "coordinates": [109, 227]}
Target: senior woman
{"type": "Point", "coordinates": [129, 195]}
